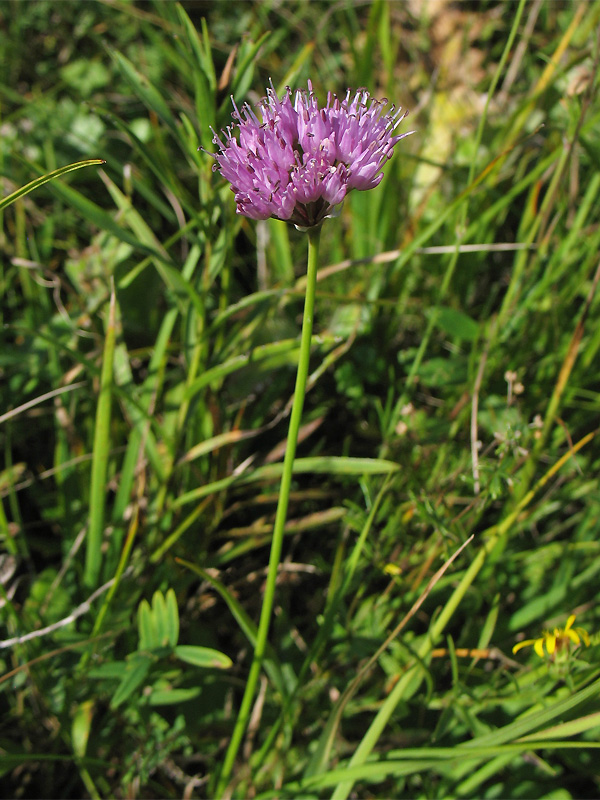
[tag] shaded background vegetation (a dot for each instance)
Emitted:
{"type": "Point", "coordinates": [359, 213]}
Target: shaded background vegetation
{"type": "Point", "coordinates": [412, 334]}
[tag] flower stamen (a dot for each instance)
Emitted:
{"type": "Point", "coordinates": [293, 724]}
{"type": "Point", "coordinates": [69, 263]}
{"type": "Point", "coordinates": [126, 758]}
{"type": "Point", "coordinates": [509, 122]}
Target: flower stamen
{"type": "Point", "coordinates": [317, 154]}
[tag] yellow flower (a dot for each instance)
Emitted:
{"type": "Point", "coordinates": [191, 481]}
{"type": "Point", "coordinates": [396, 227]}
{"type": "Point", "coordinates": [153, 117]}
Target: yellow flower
{"type": "Point", "coordinates": [557, 640]}
{"type": "Point", "coordinates": [392, 569]}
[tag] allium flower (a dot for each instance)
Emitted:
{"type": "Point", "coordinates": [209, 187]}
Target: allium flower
{"type": "Point", "coordinates": [298, 162]}
{"type": "Point", "coordinates": [558, 640]}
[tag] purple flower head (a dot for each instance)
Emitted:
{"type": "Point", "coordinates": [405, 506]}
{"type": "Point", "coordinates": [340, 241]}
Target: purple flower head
{"type": "Point", "coordinates": [298, 162]}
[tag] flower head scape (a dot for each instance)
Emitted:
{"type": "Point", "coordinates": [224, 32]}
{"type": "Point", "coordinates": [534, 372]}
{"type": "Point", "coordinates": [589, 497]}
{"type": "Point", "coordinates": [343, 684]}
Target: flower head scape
{"type": "Point", "coordinates": [298, 162]}
{"type": "Point", "coordinates": [557, 641]}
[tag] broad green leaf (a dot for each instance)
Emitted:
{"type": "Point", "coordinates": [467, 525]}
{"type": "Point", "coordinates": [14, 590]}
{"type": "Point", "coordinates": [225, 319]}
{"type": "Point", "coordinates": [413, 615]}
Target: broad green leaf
{"type": "Point", "coordinates": [446, 760]}
{"type": "Point", "coordinates": [283, 265]}
{"type": "Point", "coordinates": [298, 64]}
{"type": "Point", "coordinates": [150, 388]}
{"type": "Point", "coordinates": [205, 51]}
{"type": "Point", "coordinates": [202, 656]}
{"type": "Point", "coordinates": [214, 443]}
{"type": "Point", "coordinates": [144, 148]}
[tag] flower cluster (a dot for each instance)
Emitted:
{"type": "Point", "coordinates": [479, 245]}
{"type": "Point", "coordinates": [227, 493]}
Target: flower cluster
{"type": "Point", "coordinates": [298, 162]}
{"type": "Point", "coordinates": [557, 641]}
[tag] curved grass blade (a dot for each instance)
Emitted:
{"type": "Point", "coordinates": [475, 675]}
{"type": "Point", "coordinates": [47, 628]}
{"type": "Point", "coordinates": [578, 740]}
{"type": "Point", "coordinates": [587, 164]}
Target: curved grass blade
{"type": "Point", "coordinates": [35, 184]}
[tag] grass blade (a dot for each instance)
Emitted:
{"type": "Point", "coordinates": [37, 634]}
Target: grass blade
{"type": "Point", "coordinates": [57, 173]}
{"type": "Point", "coordinates": [102, 443]}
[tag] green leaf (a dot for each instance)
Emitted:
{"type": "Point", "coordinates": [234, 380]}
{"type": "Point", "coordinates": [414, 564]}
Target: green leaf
{"type": "Point", "coordinates": [245, 67]}
{"type": "Point", "coordinates": [537, 717]}
{"type": "Point", "coordinates": [112, 669]}
{"type": "Point", "coordinates": [439, 372]}
{"type": "Point", "coordinates": [29, 187]}
{"type": "Point", "coordinates": [327, 465]}
{"type": "Point", "coordinates": [48, 599]}
{"type": "Point", "coordinates": [146, 627]}
{"type": "Point", "coordinates": [86, 76]}
{"type": "Point", "coordinates": [143, 234]}
{"type": "Point", "coordinates": [100, 456]}
{"type": "Point", "coordinates": [455, 323]}
{"type": "Point", "coordinates": [172, 618]}
{"type": "Point", "coordinates": [247, 626]}
{"type": "Point", "coordinates": [284, 351]}
{"type": "Point", "coordinates": [100, 218]}
{"type": "Point", "coordinates": [138, 667]}
{"type": "Point", "coordinates": [81, 726]}
{"type": "Point", "coordinates": [144, 90]}
{"type": "Point", "coordinates": [203, 75]}
{"type": "Point", "coordinates": [159, 619]}
{"type": "Point", "coordinates": [169, 697]}
{"type": "Point", "coordinates": [571, 728]}
{"type": "Point", "coordinates": [203, 656]}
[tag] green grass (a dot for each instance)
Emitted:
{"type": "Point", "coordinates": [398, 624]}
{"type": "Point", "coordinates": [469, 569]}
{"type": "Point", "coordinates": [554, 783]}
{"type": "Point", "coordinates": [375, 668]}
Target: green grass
{"type": "Point", "coordinates": [149, 346]}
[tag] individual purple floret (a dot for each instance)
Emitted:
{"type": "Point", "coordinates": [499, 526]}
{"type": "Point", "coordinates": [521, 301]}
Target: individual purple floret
{"type": "Point", "coordinates": [298, 162]}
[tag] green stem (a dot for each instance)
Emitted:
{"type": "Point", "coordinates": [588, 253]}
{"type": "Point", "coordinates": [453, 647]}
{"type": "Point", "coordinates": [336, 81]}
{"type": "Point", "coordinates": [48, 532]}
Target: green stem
{"type": "Point", "coordinates": [93, 555]}
{"type": "Point", "coordinates": [280, 517]}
